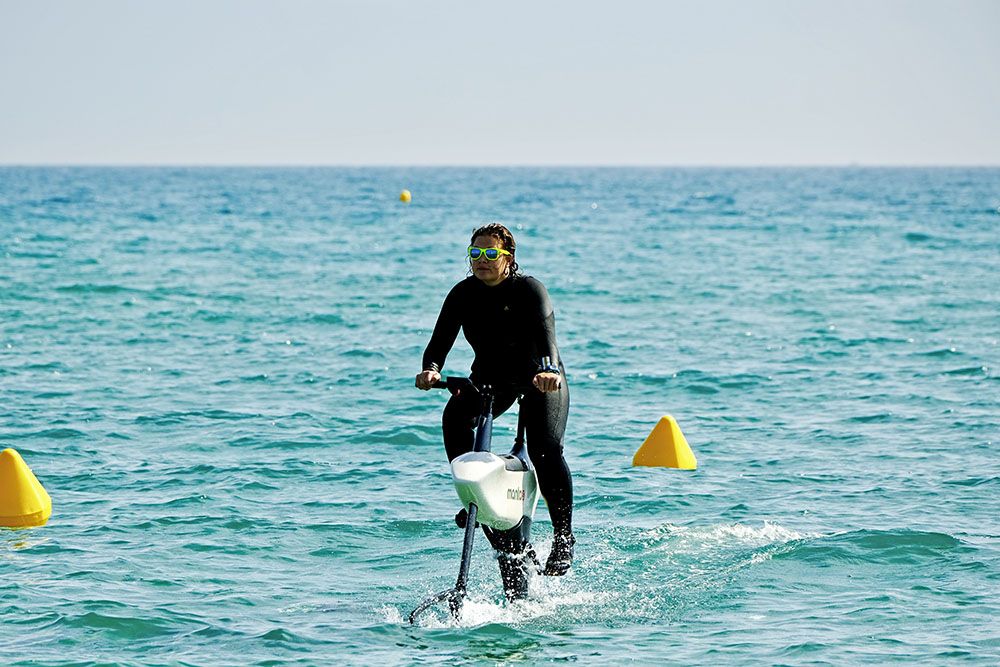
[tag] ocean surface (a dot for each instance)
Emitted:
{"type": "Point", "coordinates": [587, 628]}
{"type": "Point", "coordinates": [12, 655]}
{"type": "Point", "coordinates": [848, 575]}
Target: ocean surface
{"type": "Point", "coordinates": [211, 372]}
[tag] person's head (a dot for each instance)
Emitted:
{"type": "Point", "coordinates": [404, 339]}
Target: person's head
{"type": "Point", "coordinates": [493, 271]}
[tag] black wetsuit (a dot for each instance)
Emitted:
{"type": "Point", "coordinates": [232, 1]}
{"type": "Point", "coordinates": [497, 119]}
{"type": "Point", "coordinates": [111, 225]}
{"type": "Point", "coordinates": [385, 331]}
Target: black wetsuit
{"type": "Point", "coordinates": [510, 327]}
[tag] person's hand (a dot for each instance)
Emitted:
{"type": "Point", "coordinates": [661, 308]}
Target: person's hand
{"type": "Point", "coordinates": [426, 379]}
{"type": "Point", "coordinates": [546, 382]}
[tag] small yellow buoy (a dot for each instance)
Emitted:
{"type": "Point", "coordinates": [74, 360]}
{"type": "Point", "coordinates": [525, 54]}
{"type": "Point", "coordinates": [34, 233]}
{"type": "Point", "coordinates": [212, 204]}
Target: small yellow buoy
{"type": "Point", "coordinates": [405, 196]}
{"type": "Point", "coordinates": [23, 500]}
{"type": "Point", "coordinates": [666, 447]}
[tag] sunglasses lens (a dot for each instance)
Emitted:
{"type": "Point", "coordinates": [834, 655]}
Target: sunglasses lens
{"type": "Point", "coordinates": [491, 254]}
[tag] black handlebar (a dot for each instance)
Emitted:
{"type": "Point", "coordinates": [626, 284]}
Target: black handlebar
{"type": "Point", "coordinates": [455, 383]}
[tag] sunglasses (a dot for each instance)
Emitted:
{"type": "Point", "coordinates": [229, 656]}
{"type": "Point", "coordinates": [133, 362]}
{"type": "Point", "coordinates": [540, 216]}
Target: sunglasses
{"type": "Point", "coordinates": [491, 254]}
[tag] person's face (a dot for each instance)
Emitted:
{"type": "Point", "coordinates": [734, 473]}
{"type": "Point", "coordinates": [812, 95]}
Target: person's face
{"type": "Point", "coordinates": [490, 272]}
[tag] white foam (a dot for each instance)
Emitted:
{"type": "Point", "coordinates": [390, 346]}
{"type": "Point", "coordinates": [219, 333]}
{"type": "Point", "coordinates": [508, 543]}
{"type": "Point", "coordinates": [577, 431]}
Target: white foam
{"type": "Point", "coordinates": [734, 534]}
{"type": "Point", "coordinates": [686, 556]}
{"type": "Point", "coordinates": [546, 598]}
{"type": "Point", "coordinates": [391, 615]}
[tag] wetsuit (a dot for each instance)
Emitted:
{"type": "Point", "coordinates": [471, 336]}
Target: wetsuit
{"type": "Point", "coordinates": [511, 327]}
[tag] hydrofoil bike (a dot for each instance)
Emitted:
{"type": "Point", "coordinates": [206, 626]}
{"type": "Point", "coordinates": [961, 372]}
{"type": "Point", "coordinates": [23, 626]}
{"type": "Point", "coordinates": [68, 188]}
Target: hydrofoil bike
{"type": "Point", "coordinates": [500, 494]}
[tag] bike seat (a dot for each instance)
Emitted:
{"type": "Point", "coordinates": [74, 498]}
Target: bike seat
{"type": "Point", "coordinates": [514, 464]}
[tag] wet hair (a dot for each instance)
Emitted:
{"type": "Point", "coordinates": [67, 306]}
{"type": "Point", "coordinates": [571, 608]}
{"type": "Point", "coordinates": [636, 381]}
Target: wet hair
{"type": "Point", "coordinates": [502, 234]}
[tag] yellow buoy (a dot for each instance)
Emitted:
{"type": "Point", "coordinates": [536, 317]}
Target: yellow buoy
{"type": "Point", "coordinates": [666, 447]}
{"type": "Point", "coordinates": [405, 196]}
{"type": "Point", "coordinates": [23, 500]}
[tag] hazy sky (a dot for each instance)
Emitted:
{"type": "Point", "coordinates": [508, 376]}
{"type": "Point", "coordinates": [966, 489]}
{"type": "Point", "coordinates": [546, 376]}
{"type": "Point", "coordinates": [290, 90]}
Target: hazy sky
{"type": "Point", "coordinates": [502, 82]}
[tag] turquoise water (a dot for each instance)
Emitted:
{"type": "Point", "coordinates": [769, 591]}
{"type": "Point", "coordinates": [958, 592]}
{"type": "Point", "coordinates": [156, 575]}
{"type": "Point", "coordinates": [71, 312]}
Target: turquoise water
{"type": "Point", "coordinates": [211, 372]}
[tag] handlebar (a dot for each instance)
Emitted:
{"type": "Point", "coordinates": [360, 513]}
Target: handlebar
{"type": "Point", "coordinates": [455, 383]}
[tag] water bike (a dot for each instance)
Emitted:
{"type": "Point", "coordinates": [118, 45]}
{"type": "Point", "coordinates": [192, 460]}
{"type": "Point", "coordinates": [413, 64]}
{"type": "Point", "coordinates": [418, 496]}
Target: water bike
{"type": "Point", "coordinates": [500, 494]}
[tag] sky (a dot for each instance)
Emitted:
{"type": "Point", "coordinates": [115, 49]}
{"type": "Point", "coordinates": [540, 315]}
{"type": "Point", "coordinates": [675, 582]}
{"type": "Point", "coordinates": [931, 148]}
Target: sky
{"type": "Point", "coordinates": [611, 82]}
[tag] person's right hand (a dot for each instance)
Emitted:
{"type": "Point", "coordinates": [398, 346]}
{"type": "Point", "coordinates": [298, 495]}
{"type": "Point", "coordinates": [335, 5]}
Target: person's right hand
{"type": "Point", "coordinates": [426, 379]}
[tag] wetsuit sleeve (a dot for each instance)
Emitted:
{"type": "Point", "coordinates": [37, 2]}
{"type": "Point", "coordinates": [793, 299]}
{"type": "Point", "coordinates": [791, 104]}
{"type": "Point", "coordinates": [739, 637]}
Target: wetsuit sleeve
{"type": "Point", "coordinates": [445, 332]}
{"type": "Point", "coordinates": [544, 334]}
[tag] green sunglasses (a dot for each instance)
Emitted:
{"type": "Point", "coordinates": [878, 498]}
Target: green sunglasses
{"type": "Point", "coordinates": [491, 254]}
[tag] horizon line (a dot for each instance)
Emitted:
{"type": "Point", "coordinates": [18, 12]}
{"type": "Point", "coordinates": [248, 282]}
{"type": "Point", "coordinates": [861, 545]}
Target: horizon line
{"type": "Point", "coordinates": [553, 165]}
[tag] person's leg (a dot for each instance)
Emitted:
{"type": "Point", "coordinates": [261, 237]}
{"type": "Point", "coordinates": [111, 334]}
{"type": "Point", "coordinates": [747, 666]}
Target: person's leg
{"type": "Point", "coordinates": [458, 422]}
{"type": "Point", "coordinates": [514, 554]}
{"type": "Point", "coordinates": [459, 428]}
{"type": "Point", "coordinates": [545, 425]}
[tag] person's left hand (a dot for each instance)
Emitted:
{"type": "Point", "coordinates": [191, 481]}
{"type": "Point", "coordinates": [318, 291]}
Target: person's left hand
{"type": "Point", "coordinates": [546, 382]}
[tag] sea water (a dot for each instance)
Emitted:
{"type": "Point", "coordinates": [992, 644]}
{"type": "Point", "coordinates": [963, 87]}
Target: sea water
{"type": "Point", "coordinates": [211, 372]}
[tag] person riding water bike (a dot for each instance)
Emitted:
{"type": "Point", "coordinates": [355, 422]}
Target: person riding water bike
{"type": "Point", "coordinates": [508, 321]}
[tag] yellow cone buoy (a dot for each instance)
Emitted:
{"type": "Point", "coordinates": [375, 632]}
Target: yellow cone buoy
{"type": "Point", "coordinates": [405, 196]}
{"type": "Point", "coordinates": [665, 446]}
{"type": "Point", "coordinates": [23, 501]}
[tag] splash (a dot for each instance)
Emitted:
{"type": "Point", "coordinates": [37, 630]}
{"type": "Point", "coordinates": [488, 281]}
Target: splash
{"type": "Point", "coordinates": [547, 599]}
{"type": "Point", "coordinates": [734, 534]}
{"type": "Point", "coordinates": [629, 575]}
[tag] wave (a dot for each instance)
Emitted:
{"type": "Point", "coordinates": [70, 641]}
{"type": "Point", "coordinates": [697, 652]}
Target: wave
{"type": "Point", "coordinates": [91, 288]}
{"type": "Point", "coordinates": [929, 239]}
{"type": "Point", "coordinates": [681, 539]}
{"type": "Point", "coordinates": [399, 436]}
{"type": "Point", "coordinates": [712, 198]}
{"type": "Point", "coordinates": [363, 353]}
{"type": "Point", "coordinates": [701, 382]}
{"type": "Point", "coordinates": [53, 394]}
{"type": "Point", "coordinates": [257, 442]}
{"type": "Point", "coordinates": [901, 546]}
{"type": "Point", "coordinates": [51, 433]}
{"type": "Point", "coordinates": [973, 481]}
{"type": "Point", "coordinates": [285, 637]}
{"type": "Point", "coordinates": [874, 418]}
{"type": "Point", "coordinates": [177, 417]}
{"type": "Point", "coordinates": [50, 366]}
{"type": "Point", "coordinates": [127, 627]}
{"type": "Point", "coordinates": [326, 318]}
{"type": "Point", "coordinates": [968, 370]}
{"type": "Point", "coordinates": [939, 353]}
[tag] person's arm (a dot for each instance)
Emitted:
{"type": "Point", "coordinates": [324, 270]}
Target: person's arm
{"type": "Point", "coordinates": [442, 339]}
{"type": "Point", "coordinates": [548, 377]}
